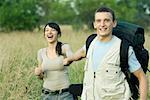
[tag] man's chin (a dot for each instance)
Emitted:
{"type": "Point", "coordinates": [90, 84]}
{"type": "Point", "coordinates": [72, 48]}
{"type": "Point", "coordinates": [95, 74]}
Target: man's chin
{"type": "Point", "coordinates": [103, 34]}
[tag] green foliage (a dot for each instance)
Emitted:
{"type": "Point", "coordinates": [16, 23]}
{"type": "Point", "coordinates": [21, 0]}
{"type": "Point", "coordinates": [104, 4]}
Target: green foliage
{"type": "Point", "coordinates": [125, 11]}
{"type": "Point", "coordinates": [19, 15]}
{"type": "Point", "coordinates": [60, 12]}
{"type": "Point", "coordinates": [85, 12]}
{"type": "Point", "coordinates": [28, 14]}
{"type": "Point", "coordinates": [87, 9]}
{"type": "Point", "coordinates": [143, 13]}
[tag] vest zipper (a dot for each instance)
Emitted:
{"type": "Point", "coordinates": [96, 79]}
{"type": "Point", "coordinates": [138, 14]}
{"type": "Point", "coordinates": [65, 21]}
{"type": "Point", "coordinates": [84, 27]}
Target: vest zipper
{"type": "Point", "coordinates": [94, 85]}
{"type": "Point", "coordinates": [94, 75]}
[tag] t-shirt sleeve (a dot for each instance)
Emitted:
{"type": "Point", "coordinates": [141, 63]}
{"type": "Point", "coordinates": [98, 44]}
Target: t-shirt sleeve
{"type": "Point", "coordinates": [39, 56]}
{"type": "Point", "coordinates": [132, 61]}
{"type": "Point", "coordinates": [68, 50]}
{"type": "Point", "coordinates": [84, 47]}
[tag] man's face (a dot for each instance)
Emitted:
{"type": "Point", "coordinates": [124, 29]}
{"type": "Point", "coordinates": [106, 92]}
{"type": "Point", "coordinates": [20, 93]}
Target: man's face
{"type": "Point", "coordinates": [104, 23]}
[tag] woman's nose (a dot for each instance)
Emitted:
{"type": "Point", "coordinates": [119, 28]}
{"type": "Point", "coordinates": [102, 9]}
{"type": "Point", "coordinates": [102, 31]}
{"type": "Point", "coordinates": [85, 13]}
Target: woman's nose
{"type": "Point", "coordinates": [49, 31]}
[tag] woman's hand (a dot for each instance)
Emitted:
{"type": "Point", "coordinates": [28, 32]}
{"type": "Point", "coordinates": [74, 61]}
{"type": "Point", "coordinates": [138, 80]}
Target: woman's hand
{"type": "Point", "coordinates": [66, 62]}
{"type": "Point", "coordinates": [38, 71]}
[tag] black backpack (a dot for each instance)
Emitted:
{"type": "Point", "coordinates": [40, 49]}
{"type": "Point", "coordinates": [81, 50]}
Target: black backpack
{"type": "Point", "coordinates": [131, 35]}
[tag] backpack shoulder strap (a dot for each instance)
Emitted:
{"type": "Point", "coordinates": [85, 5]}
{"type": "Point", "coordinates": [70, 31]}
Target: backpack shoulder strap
{"type": "Point", "coordinates": [124, 61]}
{"type": "Point", "coordinates": [124, 55]}
{"type": "Point", "coordinates": [124, 67]}
{"type": "Point", "coordinates": [89, 40]}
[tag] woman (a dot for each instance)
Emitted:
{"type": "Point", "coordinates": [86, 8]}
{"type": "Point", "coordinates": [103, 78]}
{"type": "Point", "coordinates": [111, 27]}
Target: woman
{"type": "Point", "coordinates": [51, 68]}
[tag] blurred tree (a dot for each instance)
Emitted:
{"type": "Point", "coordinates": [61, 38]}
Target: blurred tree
{"type": "Point", "coordinates": [61, 12]}
{"type": "Point", "coordinates": [143, 13]}
{"type": "Point", "coordinates": [125, 10]}
{"type": "Point", "coordinates": [20, 14]}
{"type": "Point", "coordinates": [28, 14]}
{"type": "Point", "coordinates": [137, 11]}
{"type": "Point", "coordinates": [86, 10]}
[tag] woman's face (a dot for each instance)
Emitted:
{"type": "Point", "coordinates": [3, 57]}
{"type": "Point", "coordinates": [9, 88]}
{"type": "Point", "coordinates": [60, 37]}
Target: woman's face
{"type": "Point", "coordinates": [51, 34]}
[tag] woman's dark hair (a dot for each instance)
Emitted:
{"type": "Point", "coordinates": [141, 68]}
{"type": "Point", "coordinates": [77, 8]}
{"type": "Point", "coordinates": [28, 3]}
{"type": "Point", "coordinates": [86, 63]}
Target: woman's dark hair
{"type": "Point", "coordinates": [55, 26]}
{"type": "Point", "coordinates": [59, 48]}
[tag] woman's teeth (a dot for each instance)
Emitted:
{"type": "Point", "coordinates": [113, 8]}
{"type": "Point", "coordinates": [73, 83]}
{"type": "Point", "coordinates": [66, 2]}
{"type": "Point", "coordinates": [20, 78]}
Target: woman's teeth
{"type": "Point", "coordinates": [49, 36]}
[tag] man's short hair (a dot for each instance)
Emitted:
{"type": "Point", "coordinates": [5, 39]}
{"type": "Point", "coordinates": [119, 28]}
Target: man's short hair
{"type": "Point", "coordinates": [106, 9]}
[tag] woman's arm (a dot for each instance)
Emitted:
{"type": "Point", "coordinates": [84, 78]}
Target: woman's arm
{"type": "Point", "coordinates": [38, 70]}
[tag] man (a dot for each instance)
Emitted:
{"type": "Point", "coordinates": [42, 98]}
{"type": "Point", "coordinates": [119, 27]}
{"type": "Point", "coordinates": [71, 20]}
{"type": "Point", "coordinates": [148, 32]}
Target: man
{"type": "Point", "coordinates": [103, 78]}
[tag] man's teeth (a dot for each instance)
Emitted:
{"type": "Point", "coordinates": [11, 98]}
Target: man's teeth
{"type": "Point", "coordinates": [103, 29]}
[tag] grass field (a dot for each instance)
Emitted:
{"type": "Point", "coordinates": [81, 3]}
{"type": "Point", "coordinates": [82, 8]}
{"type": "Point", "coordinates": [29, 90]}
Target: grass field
{"type": "Point", "coordinates": [18, 52]}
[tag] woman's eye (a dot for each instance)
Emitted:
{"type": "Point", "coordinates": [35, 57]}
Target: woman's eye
{"type": "Point", "coordinates": [53, 30]}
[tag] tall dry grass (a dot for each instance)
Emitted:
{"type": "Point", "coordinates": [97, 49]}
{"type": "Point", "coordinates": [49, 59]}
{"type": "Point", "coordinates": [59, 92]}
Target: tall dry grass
{"type": "Point", "coordinates": [18, 56]}
{"type": "Point", "coordinates": [18, 52]}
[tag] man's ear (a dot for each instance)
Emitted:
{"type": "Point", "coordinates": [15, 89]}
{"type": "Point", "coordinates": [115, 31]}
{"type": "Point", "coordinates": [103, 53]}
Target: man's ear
{"type": "Point", "coordinates": [94, 25]}
{"type": "Point", "coordinates": [115, 23]}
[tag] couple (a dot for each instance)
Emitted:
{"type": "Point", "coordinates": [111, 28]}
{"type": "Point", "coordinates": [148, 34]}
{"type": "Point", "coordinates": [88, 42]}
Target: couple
{"type": "Point", "coordinates": [100, 83]}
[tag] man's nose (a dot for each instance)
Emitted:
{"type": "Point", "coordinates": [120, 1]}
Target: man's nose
{"type": "Point", "coordinates": [102, 23]}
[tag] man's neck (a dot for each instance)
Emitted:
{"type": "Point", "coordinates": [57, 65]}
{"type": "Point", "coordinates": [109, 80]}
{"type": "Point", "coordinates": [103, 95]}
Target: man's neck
{"type": "Point", "coordinates": [104, 38]}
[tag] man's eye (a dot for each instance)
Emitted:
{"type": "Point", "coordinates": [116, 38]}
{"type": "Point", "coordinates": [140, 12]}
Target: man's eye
{"type": "Point", "coordinates": [98, 20]}
{"type": "Point", "coordinates": [107, 20]}
{"type": "Point", "coordinates": [46, 30]}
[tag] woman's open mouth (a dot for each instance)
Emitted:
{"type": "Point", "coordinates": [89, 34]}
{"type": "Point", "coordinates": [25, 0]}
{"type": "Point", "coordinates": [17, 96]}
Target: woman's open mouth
{"type": "Point", "coordinates": [50, 36]}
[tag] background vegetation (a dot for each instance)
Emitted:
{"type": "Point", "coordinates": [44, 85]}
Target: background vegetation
{"type": "Point", "coordinates": [19, 42]}
{"type": "Point", "coordinates": [18, 52]}
{"type": "Point", "coordinates": [29, 14]}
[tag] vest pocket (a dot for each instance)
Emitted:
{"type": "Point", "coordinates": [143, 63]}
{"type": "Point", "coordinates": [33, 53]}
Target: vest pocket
{"type": "Point", "coordinates": [113, 92]}
{"type": "Point", "coordinates": [113, 74]}
{"type": "Point", "coordinates": [113, 80]}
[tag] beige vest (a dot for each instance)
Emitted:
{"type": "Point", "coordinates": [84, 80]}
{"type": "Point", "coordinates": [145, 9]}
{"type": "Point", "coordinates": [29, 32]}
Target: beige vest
{"type": "Point", "coordinates": [109, 82]}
